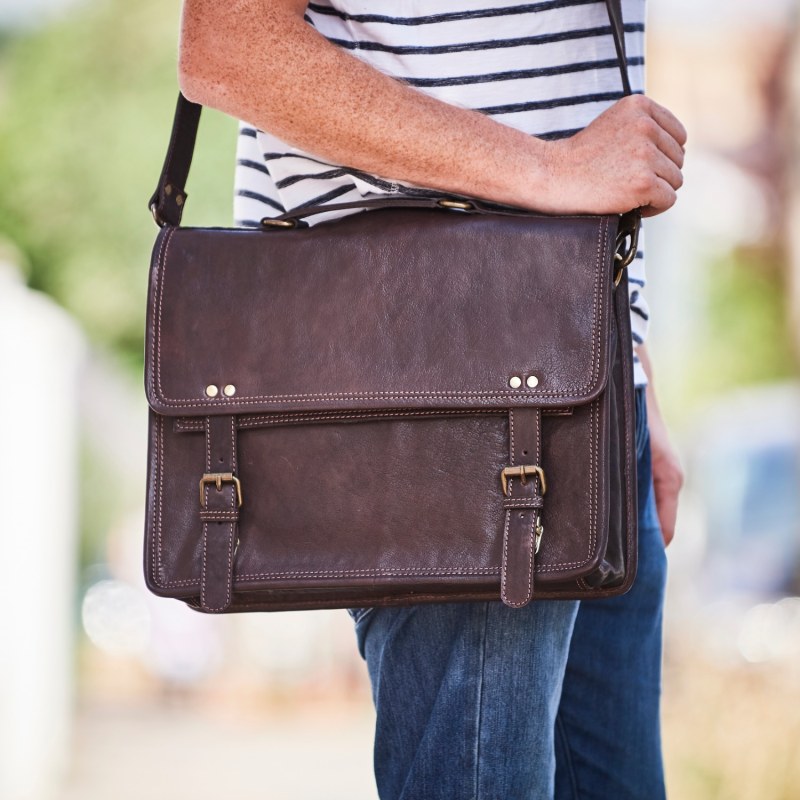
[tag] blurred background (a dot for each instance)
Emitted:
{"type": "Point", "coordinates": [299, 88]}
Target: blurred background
{"type": "Point", "coordinates": [106, 691]}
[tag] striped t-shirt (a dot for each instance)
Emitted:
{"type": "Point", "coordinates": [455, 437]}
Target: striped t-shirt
{"type": "Point", "coordinates": [547, 68]}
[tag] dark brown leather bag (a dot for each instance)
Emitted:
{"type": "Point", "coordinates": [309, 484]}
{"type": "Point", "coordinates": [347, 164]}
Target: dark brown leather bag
{"type": "Point", "coordinates": [429, 401]}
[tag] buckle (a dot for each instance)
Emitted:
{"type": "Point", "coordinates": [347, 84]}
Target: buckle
{"type": "Point", "coordinates": [625, 246]}
{"type": "Point", "coordinates": [218, 478]}
{"type": "Point", "coordinates": [522, 471]}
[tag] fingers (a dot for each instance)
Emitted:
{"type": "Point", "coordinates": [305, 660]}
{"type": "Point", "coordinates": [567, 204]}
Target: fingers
{"type": "Point", "coordinates": [669, 172]}
{"type": "Point", "coordinates": [668, 121]}
{"type": "Point", "coordinates": [669, 146]}
{"type": "Point", "coordinates": [667, 507]}
{"type": "Point", "coordinates": [660, 197]}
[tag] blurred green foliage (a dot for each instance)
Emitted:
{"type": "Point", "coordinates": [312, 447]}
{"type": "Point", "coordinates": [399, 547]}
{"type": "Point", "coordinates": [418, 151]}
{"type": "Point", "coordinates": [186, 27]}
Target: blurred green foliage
{"type": "Point", "coordinates": [85, 113]}
{"type": "Point", "coordinates": [749, 321]}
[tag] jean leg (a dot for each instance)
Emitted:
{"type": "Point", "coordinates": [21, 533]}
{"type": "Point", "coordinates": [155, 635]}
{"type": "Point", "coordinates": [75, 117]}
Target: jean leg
{"type": "Point", "coordinates": [466, 696]}
{"type": "Point", "coordinates": [608, 741]}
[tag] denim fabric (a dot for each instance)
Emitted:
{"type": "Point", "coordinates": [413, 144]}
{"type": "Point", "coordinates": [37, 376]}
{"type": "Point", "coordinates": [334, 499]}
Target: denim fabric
{"type": "Point", "coordinates": [608, 742]}
{"type": "Point", "coordinates": [559, 699]}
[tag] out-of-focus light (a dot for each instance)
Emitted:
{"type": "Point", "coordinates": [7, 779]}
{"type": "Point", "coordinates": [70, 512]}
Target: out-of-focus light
{"type": "Point", "coordinates": [115, 618]}
{"type": "Point", "coordinates": [771, 632]}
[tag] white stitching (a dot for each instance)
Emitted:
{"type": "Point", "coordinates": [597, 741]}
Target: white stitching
{"type": "Point", "coordinates": [465, 571]}
{"type": "Point", "coordinates": [529, 581]}
{"type": "Point", "coordinates": [299, 417]}
{"type": "Point", "coordinates": [317, 397]}
{"type": "Point", "coordinates": [504, 569]}
{"type": "Point", "coordinates": [159, 478]}
{"type": "Point", "coordinates": [214, 515]}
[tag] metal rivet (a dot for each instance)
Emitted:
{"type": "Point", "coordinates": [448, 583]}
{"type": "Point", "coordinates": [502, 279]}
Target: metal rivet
{"type": "Point", "coordinates": [179, 200]}
{"type": "Point", "coordinates": [211, 390]}
{"type": "Point", "coordinates": [168, 189]}
{"type": "Point", "coordinates": [230, 390]}
{"type": "Point", "coordinates": [515, 381]}
{"type": "Point", "coordinates": [531, 381]}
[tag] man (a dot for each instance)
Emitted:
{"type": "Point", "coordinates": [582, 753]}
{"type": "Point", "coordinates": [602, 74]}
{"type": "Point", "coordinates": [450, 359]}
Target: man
{"type": "Point", "coordinates": [474, 700]}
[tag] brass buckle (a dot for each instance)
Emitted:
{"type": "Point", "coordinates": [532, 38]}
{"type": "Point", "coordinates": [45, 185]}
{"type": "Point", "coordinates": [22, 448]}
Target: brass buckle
{"type": "Point", "coordinates": [459, 205]}
{"type": "Point", "coordinates": [272, 222]}
{"type": "Point", "coordinates": [219, 478]}
{"type": "Point", "coordinates": [622, 255]}
{"type": "Point", "coordinates": [522, 471]}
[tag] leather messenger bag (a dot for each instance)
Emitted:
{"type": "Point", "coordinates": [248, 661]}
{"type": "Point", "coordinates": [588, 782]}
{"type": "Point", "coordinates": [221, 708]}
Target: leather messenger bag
{"type": "Point", "coordinates": [428, 401]}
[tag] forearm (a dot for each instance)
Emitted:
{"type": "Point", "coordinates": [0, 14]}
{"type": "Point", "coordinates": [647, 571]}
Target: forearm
{"type": "Point", "coordinates": [259, 61]}
{"type": "Point", "coordinates": [653, 408]}
{"type": "Point", "coordinates": [275, 71]}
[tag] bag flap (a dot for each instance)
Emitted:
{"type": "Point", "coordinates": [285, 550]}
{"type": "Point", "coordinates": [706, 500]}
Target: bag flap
{"type": "Point", "coordinates": [399, 307]}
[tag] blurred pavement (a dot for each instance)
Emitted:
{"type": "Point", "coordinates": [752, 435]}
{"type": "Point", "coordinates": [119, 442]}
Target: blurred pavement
{"type": "Point", "coordinates": [171, 749]}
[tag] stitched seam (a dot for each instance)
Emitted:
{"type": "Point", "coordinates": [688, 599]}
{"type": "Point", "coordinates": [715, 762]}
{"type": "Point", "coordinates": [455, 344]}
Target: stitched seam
{"type": "Point", "coordinates": [540, 568]}
{"type": "Point", "coordinates": [378, 571]}
{"type": "Point", "coordinates": [521, 502]}
{"type": "Point", "coordinates": [511, 448]}
{"type": "Point", "coordinates": [160, 477]}
{"type": "Point", "coordinates": [597, 319]}
{"type": "Point", "coordinates": [161, 275]}
{"type": "Point", "coordinates": [203, 588]}
{"type": "Point", "coordinates": [486, 394]}
{"type": "Point", "coordinates": [389, 573]}
{"type": "Point", "coordinates": [231, 532]}
{"type": "Point", "coordinates": [504, 570]}
{"type": "Point", "coordinates": [416, 598]}
{"type": "Point", "coordinates": [529, 578]}
{"type": "Point", "coordinates": [592, 504]}
{"type": "Point", "coordinates": [265, 420]}
{"type": "Point", "coordinates": [233, 445]}
{"type": "Point", "coordinates": [221, 515]}
{"type": "Point", "coordinates": [511, 433]}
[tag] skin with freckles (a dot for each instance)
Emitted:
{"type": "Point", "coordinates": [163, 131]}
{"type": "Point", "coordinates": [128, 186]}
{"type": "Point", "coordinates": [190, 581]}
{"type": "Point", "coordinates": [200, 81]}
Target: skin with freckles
{"type": "Point", "coordinates": [259, 61]}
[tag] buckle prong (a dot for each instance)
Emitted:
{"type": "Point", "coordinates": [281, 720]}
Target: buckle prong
{"type": "Point", "coordinates": [522, 471]}
{"type": "Point", "coordinates": [218, 478]}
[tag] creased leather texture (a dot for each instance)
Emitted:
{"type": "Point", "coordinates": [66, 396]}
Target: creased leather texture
{"type": "Point", "coordinates": [329, 317]}
{"type": "Point", "coordinates": [372, 413]}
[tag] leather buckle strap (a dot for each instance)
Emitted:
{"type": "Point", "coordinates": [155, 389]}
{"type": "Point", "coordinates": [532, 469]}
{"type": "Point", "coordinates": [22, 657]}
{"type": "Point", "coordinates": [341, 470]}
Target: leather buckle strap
{"type": "Point", "coordinates": [523, 503]}
{"type": "Point", "coordinates": [220, 500]}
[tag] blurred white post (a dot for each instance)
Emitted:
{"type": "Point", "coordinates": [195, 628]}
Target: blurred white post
{"type": "Point", "coordinates": [41, 350]}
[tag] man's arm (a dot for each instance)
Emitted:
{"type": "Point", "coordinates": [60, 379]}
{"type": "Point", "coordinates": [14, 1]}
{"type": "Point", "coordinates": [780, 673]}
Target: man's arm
{"type": "Point", "coordinates": [667, 471]}
{"type": "Point", "coordinates": [259, 61]}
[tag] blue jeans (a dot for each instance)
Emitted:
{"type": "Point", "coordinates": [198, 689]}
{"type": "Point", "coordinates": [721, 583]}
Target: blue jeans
{"type": "Point", "coordinates": [559, 699]}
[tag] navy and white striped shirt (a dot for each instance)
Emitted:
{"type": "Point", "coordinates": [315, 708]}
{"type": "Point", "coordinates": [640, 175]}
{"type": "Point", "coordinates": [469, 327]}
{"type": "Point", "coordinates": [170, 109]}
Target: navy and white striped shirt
{"type": "Point", "coordinates": [547, 68]}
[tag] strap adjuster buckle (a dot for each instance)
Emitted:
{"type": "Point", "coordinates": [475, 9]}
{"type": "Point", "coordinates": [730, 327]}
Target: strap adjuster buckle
{"type": "Point", "coordinates": [218, 478]}
{"type": "Point", "coordinates": [522, 471]}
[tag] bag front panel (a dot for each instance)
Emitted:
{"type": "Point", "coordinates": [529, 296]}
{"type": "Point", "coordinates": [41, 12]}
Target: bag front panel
{"type": "Point", "coordinates": [387, 501]}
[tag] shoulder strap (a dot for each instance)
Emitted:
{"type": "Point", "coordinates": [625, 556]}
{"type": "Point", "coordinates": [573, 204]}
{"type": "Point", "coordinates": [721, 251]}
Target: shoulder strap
{"type": "Point", "coordinates": [169, 198]}
{"type": "Point", "coordinates": [614, 8]}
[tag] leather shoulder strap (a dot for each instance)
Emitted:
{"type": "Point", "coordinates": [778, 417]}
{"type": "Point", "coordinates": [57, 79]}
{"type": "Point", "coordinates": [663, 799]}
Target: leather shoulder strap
{"type": "Point", "coordinates": [169, 198]}
{"type": "Point", "coordinates": [614, 8]}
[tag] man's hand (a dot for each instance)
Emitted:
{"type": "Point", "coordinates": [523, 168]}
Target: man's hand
{"type": "Point", "coordinates": [667, 473]}
{"type": "Point", "coordinates": [631, 156]}
{"type": "Point", "coordinates": [667, 470]}
{"type": "Point", "coordinates": [236, 57]}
